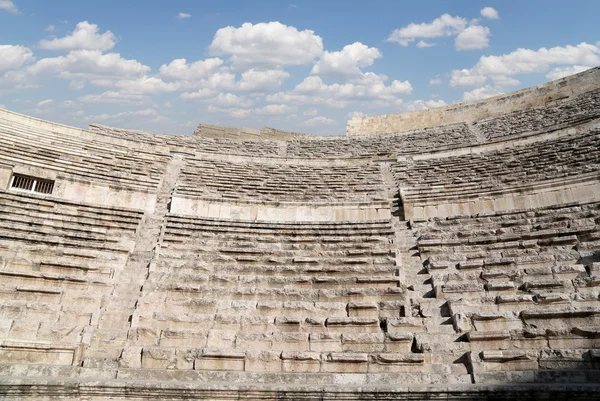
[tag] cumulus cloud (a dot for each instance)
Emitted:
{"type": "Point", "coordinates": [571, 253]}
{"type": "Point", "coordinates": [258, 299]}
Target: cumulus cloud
{"type": "Point", "coordinates": [310, 112]}
{"type": "Point", "coordinates": [229, 100]}
{"type": "Point", "coordinates": [46, 102]}
{"type": "Point", "coordinates": [149, 112]}
{"type": "Point", "coordinates": [271, 44]}
{"type": "Point", "coordinates": [9, 6]}
{"type": "Point", "coordinates": [255, 80]}
{"type": "Point", "coordinates": [274, 110]}
{"type": "Point", "coordinates": [85, 37]}
{"type": "Point", "coordinates": [415, 105]}
{"type": "Point", "coordinates": [445, 25]}
{"type": "Point", "coordinates": [481, 93]}
{"type": "Point", "coordinates": [320, 121]}
{"type": "Point", "coordinates": [179, 69]}
{"type": "Point", "coordinates": [112, 97]}
{"type": "Point", "coordinates": [346, 63]}
{"type": "Point", "coordinates": [473, 38]}
{"type": "Point", "coordinates": [183, 15]}
{"type": "Point", "coordinates": [435, 81]}
{"type": "Point", "coordinates": [502, 68]}
{"type": "Point", "coordinates": [369, 86]}
{"type": "Point", "coordinates": [89, 65]}
{"type": "Point", "coordinates": [421, 44]}
{"type": "Point", "coordinates": [13, 57]}
{"type": "Point", "coordinates": [489, 13]}
{"type": "Point", "coordinates": [561, 72]}
{"type": "Point", "coordinates": [354, 114]}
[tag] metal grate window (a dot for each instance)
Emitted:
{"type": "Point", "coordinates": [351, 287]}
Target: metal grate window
{"type": "Point", "coordinates": [31, 184]}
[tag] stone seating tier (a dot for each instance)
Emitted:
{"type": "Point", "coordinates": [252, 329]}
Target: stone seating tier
{"type": "Point", "coordinates": [475, 174]}
{"type": "Point", "coordinates": [296, 183]}
{"type": "Point", "coordinates": [524, 281]}
{"type": "Point", "coordinates": [78, 159]}
{"type": "Point", "coordinates": [558, 114]}
{"type": "Point", "coordinates": [58, 260]}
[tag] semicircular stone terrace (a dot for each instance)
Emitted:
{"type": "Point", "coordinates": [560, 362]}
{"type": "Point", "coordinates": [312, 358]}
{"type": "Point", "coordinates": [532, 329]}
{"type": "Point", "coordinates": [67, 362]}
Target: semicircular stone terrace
{"type": "Point", "coordinates": [458, 261]}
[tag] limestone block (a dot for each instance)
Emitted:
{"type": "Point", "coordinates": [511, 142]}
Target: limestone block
{"type": "Point", "coordinates": [253, 341]}
{"type": "Point", "coordinates": [263, 361]}
{"type": "Point", "coordinates": [183, 338]}
{"type": "Point", "coordinates": [353, 324]}
{"type": "Point", "coordinates": [291, 341]}
{"type": "Point", "coordinates": [398, 342]}
{"type": "Point", "coordinates": [345, 362]}
{"type": "Point", "coordinates": [144, 335]}
{"type": "Point", "coordinates": [323, 342]}
{"type": "Point", "coordinates": [301, 362]}
{"type": "Point", "coordinates": [158, 358]}
{"type": "Point", "coordinates": [221, 359]}
{"type": "Point", "coordinates": [131, 357]}
{"type": "Point", "coordinates": [5, 325]}
{"type": "Point", "coordinates": [221, 339]}
{"type": "Point", "coordinates": [363, 342]}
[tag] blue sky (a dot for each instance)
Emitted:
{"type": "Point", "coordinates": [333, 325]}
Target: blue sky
{"type": "Point", "coordinates": [305, 66]}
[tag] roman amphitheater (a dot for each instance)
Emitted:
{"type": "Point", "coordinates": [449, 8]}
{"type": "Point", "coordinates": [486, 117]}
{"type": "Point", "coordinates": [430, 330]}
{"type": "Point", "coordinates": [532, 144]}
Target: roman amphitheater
{"type": "Point", "coordinates": [441, 254]}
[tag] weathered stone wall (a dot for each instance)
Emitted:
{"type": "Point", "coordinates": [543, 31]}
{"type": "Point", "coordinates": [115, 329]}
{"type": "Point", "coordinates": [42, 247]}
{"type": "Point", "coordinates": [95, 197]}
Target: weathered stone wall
{"type": "Point", "coordinates": [469, 112]}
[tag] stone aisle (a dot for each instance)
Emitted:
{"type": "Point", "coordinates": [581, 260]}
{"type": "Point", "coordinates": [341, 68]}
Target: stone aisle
{"type": "Point", "coordinates": [108, 341]}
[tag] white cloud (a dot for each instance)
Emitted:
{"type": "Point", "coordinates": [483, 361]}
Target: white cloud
{"type": "Point", "coordinates": [168, 104]}
{"type": "Point", "coordinates": [183, 15]}
{"type": "Point", "coordinates": [310, 112]}
{"type": "Point", "coordinates": [274, 110]}
{"type": "Point", "coordinates": [229, 100]}
{"type": "Point", "coordinates": [502, 68]}
{"type": "Point", "coordinates": [421, 44]}
{"type": "Point", "coordinates": [262, 80]}
{"type": "Point", "coordinates": [9, 6]}
{"type": "Point", "coordinates": [445, 25]}
{"type": "Point", "coordinates": [481, 93]}
{"type": "Point", "coordinates": [88, 65]}
{"type": "Point", "coordinates": [435, 81]}
{"type": "Point", "coordinates": [199, 94]}
{"type": "Point", "coordinates": [84, 37]}
{"type": "Point", "coordinates": [466, 78]}
{"type": "Point", "coordinates": [370, 86]}
{"type": "Point", "coordinates": [489, 13]}
{"type": "Point", "coordinates": [415, 105]}
{"type": "Point", "coordinates": [354, 114]}
{"type": "Point", "coordinates": [233, 112]}
{"type": "Point", "coordinates": [346, 63]}
{"type": "Point", "coordinates": [148, 85]}
{"type": "Point", "coordinates": [13, 57]}
{"type": "Point", "coordinates": [113, 97]}
{"type": "Point", "coordinates": [46, 102]}
{"type": "Point", "coordinates": [50, 28]}
{"type": "Point", "coordinates": [473, 38]}
{"type": "Point", "coordinates": [120, 116]}
{"type": "Point", "coordinates": [179, 69]}
{"type": "Point", "coordinates": [266, 44]}
{"type": "Point", "coordinates": [320, 120]}
{"type": "Point", "coordinates": [561, 72]}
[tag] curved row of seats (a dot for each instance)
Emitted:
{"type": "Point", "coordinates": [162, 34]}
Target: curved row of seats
{"type": "Point", "coordinates": [76, 158]}
{"type": "Point", "coordinates": [558, 114]}
{"type": "Point", "coordinates": [281, 182]}
{"type": "Point", "coordinates": [522, 288]}
{"type": "Point", "coordinates": [57, 263]}
{"type": "Point", "coordinates": [297, 297]}
{"type": "Point", "coordinates": [475, 174]}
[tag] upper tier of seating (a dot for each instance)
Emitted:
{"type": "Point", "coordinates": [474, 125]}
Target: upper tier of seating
{"type": "Point", "coordinates": [78, 158]}
{"type": "Point", "coordinates": [558, 114]}
{"type": "Point", "coordinates": [474, 174]}
{"type": "Point", "coordinates": [281, 182]}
